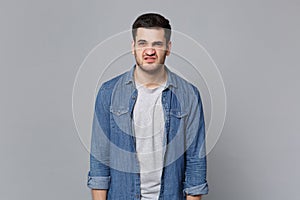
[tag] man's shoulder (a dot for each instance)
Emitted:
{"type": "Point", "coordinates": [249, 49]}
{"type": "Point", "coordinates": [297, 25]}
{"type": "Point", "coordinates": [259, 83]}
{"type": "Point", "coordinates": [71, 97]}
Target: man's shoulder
{"type": "Point", "coordinates": [106, 89]}
{"type": "Point", "coordinates": [183, 85]}
{"type": "Point", "coordinates": [109, 84]}
{"type": "Point", "coordinates": [186, 92]}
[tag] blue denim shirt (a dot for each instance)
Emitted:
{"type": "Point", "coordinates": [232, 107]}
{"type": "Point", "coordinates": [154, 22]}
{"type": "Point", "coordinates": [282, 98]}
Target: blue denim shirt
{"type": "Point", "coordinates": [113, 160]}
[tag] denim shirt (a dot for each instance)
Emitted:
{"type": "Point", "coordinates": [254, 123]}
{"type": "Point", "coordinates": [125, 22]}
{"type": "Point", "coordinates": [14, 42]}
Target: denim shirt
{"type": "Point", "coordinates": [113, 159]}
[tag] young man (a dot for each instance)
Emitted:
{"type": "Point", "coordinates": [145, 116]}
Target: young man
{"type": "Point", "coordinates": [148, 137]}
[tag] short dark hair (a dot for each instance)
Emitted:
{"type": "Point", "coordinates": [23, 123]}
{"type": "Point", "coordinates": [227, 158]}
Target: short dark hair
{"type": "Point", "coordinates": [152, 20]}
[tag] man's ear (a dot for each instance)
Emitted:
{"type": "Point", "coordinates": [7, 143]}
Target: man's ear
{"type": "Point", "coordinates": [132, 47]}
{"type": "Point", "coordinates": [169, 45]}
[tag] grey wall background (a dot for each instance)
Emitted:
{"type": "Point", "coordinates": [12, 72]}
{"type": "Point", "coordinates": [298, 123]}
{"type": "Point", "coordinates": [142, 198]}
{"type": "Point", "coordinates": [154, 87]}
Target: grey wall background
{"type": "Point", "coordinates": [254, 43]}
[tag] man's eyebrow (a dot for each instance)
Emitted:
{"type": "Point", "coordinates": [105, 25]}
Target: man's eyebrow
{"type": "Point", "coordinates": [157, 42]}
{"type": "Point", "coordinates": [141, 40]}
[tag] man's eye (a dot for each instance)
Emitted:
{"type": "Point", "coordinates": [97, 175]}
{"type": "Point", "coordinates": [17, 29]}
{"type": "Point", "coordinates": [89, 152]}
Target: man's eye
{"type": "Point", "coordinates": [158, 44]}
{"type": "Point", "coordinates": [142, 43]}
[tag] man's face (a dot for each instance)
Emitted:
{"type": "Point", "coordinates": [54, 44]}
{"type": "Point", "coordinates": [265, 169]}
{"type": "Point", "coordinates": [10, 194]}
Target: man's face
{"type": "Point", "coordinates": [150, 48]}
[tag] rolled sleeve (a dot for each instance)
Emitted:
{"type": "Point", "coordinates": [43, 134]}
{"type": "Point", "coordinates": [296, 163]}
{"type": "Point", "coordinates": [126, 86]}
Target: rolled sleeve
{"type": "Point", "coordinates": [196, 190]}
{"type": "Point", "coordinates": [98, 182]}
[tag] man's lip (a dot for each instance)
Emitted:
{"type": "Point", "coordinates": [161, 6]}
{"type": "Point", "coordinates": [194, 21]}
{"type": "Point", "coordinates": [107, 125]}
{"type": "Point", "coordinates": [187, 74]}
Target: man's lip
{"type": "Point", "coordinates": [148, 58]}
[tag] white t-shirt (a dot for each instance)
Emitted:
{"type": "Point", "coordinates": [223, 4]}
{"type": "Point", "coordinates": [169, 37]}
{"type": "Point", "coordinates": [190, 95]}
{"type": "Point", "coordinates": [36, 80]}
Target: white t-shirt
{"type": "Point", "coordinates": [148, 118]}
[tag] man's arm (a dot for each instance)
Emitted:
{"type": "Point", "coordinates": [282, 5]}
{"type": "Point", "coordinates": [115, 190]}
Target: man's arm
{"type": "Point", "coordinates": [195, 183]}
{"type": "Point", "coordinates": [99, 174]}
{"type": "Point", "coordinates": [99, 194]}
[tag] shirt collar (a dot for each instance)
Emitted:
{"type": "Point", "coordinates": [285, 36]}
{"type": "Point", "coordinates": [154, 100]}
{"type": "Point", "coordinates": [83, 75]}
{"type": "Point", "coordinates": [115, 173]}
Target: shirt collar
{"type": "Point", "coordinates": [171, 80]}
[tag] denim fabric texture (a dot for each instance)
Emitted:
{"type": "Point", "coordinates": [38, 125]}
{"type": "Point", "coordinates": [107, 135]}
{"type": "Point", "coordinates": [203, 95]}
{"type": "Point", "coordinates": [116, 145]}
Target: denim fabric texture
{"type": "Point", "coordinates": [113, 161]}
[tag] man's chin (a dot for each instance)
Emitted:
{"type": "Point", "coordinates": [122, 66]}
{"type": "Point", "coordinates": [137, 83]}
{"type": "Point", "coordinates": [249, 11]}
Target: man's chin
{"type": "Point", "coordinates": [152, 68]}
{"type": "Point", "coordinates": [151, 65]}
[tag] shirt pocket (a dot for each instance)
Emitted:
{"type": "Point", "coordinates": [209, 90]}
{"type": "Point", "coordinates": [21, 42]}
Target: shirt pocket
{"type": "Point", "coordinates": [177, 123]}
{"type": "Point", "coordinates": [119, 111]}
{"type": "Point", "coordinates": [121, 120]}
{"type": "Point", "coordinates": [178, 113]}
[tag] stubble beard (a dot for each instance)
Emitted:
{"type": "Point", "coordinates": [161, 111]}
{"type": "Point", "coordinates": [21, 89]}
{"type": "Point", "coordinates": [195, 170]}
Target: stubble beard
{"type": "Point", "coordinates": [150, 68]}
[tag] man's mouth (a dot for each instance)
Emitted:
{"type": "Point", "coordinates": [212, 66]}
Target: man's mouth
{"type": "Point", "coordinates": [150, 59]}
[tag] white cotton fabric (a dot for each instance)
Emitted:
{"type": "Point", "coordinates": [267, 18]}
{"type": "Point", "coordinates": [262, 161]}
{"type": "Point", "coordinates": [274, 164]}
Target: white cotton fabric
{"type": "Point", "coordinates": [148, 118]}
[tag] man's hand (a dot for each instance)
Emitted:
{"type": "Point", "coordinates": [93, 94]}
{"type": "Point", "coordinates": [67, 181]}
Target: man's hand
{"type": "Point", "coordinates": [197, 197]}
{"type": "Point", "coordinates": [99, 194]}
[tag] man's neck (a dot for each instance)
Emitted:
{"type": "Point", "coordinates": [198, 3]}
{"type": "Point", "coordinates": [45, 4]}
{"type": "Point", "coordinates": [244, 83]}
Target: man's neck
{"type": "Point", "coordinates": [150, 80]}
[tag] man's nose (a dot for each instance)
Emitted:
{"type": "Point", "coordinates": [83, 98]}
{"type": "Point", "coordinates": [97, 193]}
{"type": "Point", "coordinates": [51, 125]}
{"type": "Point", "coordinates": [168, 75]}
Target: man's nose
{"type": "Point", "coordinates": [150, 51]}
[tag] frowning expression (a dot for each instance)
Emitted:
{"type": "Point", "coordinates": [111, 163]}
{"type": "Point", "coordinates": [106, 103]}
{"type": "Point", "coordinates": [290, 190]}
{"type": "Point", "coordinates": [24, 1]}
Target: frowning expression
{"type": "Point", "coordinates": [150, 48]}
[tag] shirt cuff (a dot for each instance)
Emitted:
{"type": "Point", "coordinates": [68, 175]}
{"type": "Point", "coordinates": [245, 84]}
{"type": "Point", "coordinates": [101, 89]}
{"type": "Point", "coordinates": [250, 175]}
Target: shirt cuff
{"type": "Point", "coordinates": [196, 190]}
{"type": "Point", "coordinates": [98, 182]}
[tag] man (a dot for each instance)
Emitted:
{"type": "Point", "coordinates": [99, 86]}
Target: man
{"type": "Point", "coordinates": [148, 136]}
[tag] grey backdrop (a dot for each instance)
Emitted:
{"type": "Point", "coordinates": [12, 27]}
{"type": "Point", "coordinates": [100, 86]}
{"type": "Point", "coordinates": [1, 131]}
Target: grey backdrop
{"type": "Point", "coordinates": [254, 43]}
